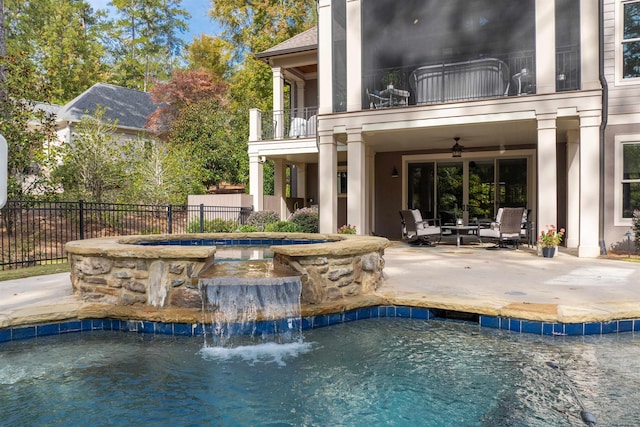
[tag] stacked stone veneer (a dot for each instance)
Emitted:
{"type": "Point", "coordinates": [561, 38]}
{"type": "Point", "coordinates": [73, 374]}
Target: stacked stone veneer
{"type": "Point", "coordinates": [142, 281]}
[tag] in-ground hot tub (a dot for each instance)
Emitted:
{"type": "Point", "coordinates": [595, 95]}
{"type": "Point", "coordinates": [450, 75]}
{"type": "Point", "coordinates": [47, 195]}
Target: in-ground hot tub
{"type": "Point", "coordinates": [156, 277]}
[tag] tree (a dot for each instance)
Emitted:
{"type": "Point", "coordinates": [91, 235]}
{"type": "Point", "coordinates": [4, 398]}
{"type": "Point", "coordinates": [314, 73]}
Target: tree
{"type": "Point", "coordinates": [95, 163]}
{"type": "Point", "coordinates": [164, 173]}
{"type": "Point", "coordinates": [147, 41]}
{"type": "Point", "coordinates": [61, 39]}
{"type": "Point", "coordinates": [207, 129]}
{"type": "Point", "coordinates": [210, 53]}
{"type": "Point", "coordinates": [184, 88]}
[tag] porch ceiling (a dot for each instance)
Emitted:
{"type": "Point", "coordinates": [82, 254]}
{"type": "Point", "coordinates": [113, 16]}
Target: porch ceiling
{"type": "Point", "coordinates": [471, 136]}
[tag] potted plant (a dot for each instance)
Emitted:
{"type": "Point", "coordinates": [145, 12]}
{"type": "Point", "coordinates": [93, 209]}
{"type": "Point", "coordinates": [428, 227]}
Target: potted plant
{"type": "Point", "coordinates": [549, 240]}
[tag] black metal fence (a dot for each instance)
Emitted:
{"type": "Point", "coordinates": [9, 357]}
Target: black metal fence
{"type": "Point", "coordinates": [33, 232]}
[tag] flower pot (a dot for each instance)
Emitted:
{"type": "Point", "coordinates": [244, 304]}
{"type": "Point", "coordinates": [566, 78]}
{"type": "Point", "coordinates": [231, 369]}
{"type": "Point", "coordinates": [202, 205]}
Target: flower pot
{"type": "Point", "coordinates": [548, 252]}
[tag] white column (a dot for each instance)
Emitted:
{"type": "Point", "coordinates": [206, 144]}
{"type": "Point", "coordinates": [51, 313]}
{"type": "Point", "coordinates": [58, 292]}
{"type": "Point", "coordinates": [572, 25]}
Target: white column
{"type": "Point", "coordinates": [589, 45]}
{"type": "Point", "coordinates": [325, 65]}
{"type": "Point", "coordinates": [354, 49]}
{"type": "Point", "coordinates": [547, 172]}
{"type": "Point", "coordinates": [279, 186]}
{"type": "Point", "coordinates": [256, 182]}
{"type": "Point", "coordinates": [573, 189]}
{"type": "Point", "coordinates": [255, 124]}
{"type": "Point", "coordinates": [589, 183]}
{"type": "Point", "coordinates": [356, 181]}
{"type": "Point", "coordinates": [328, 179]}
{"type": "Point", "coordinates": [545, 46]}
{"type": "Point", "coordinates": [278, 102]}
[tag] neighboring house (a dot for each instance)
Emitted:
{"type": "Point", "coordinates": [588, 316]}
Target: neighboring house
{"type": "Point", "coordinates": [457, 108]}
{"type": "Point", "coordinates": [128, 108]}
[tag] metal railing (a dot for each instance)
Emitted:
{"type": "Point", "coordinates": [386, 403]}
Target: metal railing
{"type": "Point", "coordinates": [33, 232]}
{"type": "Point", "coordinates": [291, 123]}
{"type": "Point", "coordinates": [567, 68]}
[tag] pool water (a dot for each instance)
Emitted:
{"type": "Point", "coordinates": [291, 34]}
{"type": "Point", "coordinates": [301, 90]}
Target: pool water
{"type": "Point", "coordinates": [371, 372]}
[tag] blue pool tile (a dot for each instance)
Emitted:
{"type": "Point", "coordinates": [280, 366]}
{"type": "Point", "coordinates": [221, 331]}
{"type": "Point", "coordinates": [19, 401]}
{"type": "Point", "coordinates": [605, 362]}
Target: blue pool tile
{"type": "Point", "coordinates": [364, 313]}
{"type": "Point", "coordinates": [164, 328]}
{"type": "Point", "coordinates": [23, 332]}
{"type": "Point", "coordinates": [182, 329]}
{"type": "Point", "coordinates": [403, 312]}
{"type": "Point", "coordinates": [335, 319]}
{"type": "Point", "coordinates": [531, 327]}
{"type": "Point", "coordinates": [574, 329]}
{"type": "Point", "coordinates": [594, 328]}
{"type": "Point", "coordinates": [350, 316]}
{"type": "Point", "coordinates": [547, 329]}
{"type": "Point", "coordinates": [609, 327]}
{"type": "Point", "coordinates": [636, 325]}
{"type": "Point", "coordinates": [50, 329]}
{"type": "Point", "coordinates": [87, 325]}
{"type": "Point", "coordinates": [490, 322]}
{"type": "Point", "coordinates": [420, 313]}
{"type": "Point", "coordinates": [559, 329]}
{"type": "Point", "coordinates": [97, 325]}
{"type": "Point", "coordinates": [515, 325]}
{"type": "Point", "coordinates": [390, 311]}
{"type": "Point", "coordinates": [147, 327]}
{"type": "Point", "coordinates": [307, 323]}
{"type": "Point", "coordinates": [625, 325]}
{"type": "Point", "coordinates": [5, 335]}
{"type": "Point", "coordinates": [321, 321]}
{"type": "Point", "coordinates": [72, 326]}
{"type": "Point", "coordinates": [198, 330]}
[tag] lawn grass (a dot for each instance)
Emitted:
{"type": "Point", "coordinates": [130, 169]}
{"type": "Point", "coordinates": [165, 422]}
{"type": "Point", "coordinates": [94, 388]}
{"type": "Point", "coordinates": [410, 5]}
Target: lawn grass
{"type": "Point", "coordinates": [38, 270]}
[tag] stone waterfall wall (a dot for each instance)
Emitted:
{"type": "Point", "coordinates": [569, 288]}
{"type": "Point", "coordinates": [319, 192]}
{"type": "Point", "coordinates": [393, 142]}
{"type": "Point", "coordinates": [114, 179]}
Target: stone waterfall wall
{"type": "Point", "coordinates": [118, 277]}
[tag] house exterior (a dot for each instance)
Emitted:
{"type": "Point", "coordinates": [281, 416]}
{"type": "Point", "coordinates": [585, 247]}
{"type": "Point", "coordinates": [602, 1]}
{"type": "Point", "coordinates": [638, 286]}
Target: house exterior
{"type": "Point", "coordinates": [458, 108]}
{"type": "Point", "coordinates": [127, 108]}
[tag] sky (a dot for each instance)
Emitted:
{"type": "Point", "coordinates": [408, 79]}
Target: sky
{"type": "Point", "coordinates": [200, 23]}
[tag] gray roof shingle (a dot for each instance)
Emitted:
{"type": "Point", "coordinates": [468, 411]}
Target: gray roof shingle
{"type": "Point", "coordinates": [128, 106]}
{"type": "Point", "coordinates": [307, 40]}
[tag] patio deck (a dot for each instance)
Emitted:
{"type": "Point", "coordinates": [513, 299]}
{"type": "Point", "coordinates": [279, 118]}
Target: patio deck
{"type": "Point", "coordinates": [515, 284]}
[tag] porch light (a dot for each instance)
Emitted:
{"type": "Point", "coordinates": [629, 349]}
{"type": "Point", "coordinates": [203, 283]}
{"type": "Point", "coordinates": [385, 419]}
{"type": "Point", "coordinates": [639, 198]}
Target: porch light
{"type": "Point", "coordinates": [394, 172]}
{"type": "Point", "coordinates": [456, 150]}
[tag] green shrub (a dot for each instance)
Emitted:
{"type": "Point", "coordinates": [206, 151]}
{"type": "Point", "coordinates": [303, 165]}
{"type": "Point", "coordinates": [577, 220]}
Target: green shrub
{"type": "Point", "coordinates": [261, 218]}
{"type": "Point", "coordinates": [306, 219]}
{"type": "Point", "coordinates": [282, 227]}
{"type": "Point", "coordinates": [215, 225]}
{"type": "Point", "coordinates": [247, 229]}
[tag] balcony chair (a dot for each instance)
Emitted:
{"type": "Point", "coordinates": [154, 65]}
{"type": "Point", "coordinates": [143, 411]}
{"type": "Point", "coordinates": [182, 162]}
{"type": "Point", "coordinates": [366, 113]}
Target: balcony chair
{"type": "Point", "coordinates": [378, 101]}
{"type": "Point", "coordinates": [419, 231]}
{"type": "Point", "coordinates": [506, 228]}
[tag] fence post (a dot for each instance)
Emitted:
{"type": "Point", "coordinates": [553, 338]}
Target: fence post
{"type": "Point", "coordinates": [201, 217]}
{"type": "Point", "coordinates": [169, 219]}
{"type": "Point", "coordinates": [81, 208]}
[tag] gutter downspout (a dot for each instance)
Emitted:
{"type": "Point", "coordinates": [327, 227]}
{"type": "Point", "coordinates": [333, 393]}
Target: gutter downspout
{"type": "Point", "coordinates": [603, 127]}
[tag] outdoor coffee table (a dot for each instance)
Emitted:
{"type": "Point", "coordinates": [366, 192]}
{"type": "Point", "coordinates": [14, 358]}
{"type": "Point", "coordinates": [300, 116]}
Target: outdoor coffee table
{"type": "Point", "coordinates": [459, 228]}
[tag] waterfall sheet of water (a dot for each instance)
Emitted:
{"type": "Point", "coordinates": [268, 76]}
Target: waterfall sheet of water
{"type": "Point", "coordinates": [249, 311]}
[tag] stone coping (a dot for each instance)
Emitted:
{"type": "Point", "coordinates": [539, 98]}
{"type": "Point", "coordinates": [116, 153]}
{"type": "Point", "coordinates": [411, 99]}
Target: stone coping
{"type": "Point", "coordinates": [128, 247]}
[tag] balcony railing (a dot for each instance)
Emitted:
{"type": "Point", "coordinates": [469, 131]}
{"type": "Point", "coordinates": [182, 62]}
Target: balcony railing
{"type": "Point", "coordinates": [567, 68]}
{"type": "Point", "coordinates": [292, 123]}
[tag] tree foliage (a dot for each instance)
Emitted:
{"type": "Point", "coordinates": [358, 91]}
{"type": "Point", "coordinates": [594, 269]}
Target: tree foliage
{"type": "Point", "coordinates": [61, 40]}
{"type": "Point", "coordinates": [210, 53]}
{"type": "Point", "coordinates": [94, 166]}
{"type": "Point", "coordinates": [185, 88]}
{"type": "Point", "coordinates": [146, 40]}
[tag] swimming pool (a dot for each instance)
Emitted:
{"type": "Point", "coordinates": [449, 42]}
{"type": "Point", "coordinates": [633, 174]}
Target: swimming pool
{"type": "Point", "coordinates": [369, 372]}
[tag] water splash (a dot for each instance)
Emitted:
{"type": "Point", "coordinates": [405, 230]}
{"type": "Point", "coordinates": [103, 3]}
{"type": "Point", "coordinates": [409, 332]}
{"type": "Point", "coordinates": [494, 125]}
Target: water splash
{"type": "Point", "coordinates": [263, 311]}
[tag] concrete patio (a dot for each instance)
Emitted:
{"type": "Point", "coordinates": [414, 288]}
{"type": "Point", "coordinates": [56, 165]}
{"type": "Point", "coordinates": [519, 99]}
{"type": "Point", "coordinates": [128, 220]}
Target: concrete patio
{"type": "Point", "coordinates": [471, 279]}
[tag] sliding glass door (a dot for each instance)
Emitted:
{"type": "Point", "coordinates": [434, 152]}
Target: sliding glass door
{"type": "Point", "coordinates": [466, 189]}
